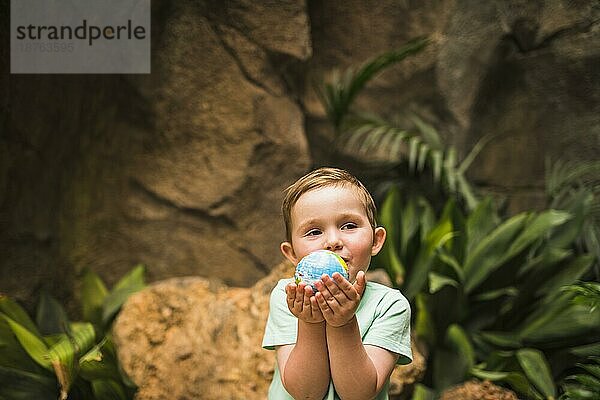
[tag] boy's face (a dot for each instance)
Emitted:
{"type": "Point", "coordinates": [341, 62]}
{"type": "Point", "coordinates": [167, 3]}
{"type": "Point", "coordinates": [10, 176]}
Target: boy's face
{"type": "Point", "coordinates": [333, 218]}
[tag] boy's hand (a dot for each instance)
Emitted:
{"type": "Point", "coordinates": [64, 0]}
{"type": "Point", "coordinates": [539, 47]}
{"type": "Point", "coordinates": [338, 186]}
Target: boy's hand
{"type": "Point", "coordinates": [302, 303]}
{"type": "Point", "coordinates": [338, 299]}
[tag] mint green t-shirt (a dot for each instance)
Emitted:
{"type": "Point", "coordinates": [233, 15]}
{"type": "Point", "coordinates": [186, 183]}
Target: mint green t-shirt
{"type": "Point", "coordinates": [383, 317]}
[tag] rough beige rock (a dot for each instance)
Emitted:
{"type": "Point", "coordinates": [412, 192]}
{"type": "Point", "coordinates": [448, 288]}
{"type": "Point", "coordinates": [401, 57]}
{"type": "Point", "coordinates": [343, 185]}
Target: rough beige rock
{"type": "Point", "coordinates": [194, 338]}
{"type": "Point", "coordinates": [477, 390]}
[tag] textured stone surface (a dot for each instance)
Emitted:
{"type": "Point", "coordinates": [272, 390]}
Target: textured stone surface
{"type": "Point", "coordinates": [181, 170]}
{"type": "Point", "coordinates": [200, 339]}
{"type": "Point", "coordinates": [476, 390]}
{"type": "Point", "coordinates": [524, 72]}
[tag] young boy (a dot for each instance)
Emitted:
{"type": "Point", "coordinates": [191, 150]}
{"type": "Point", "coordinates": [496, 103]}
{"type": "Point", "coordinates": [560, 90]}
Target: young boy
{"type": "Point", "coordinates": [344, 340]}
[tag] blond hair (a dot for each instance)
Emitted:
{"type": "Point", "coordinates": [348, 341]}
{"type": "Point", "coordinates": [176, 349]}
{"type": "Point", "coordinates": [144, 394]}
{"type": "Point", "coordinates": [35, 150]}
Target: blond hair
{"type": "Point", "coordinates": [320, 178]}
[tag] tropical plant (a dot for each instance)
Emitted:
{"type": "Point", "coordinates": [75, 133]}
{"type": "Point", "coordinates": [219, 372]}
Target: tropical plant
{"type": "Point", "coordinates": [566, 181]}
{"type": "Point", "coordinates": [487, 290]}
{"type": "Point", "coordinates": [58, 358]}
{"type": "Point", "coordinates": [405, 140]}
{"type": "Point", "coordinates": [584, 385]}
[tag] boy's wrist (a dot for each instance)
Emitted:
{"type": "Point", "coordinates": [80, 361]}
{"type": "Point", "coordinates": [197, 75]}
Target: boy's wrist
{"type": "Point", "coordinates": [345, 325]}
{"type": "Point", "coordinates": [312, 324]}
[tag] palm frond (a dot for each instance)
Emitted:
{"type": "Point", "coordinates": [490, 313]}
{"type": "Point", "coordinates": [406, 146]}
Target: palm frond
{"type": "Point", "coordinates": [566, 180]}
{"type": "Point", "coordinates": [340, 91]}
{"type": "Point", "coordinates": [586, 293]}
{"type": "Point", "coordinates": [563, 174]}
{"type": "Point", "coordinates": [422, 150]}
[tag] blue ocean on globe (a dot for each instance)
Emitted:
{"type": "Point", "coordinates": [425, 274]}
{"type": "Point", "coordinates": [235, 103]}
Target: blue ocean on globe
{"type": "Point", "coordinates": [313, 266]}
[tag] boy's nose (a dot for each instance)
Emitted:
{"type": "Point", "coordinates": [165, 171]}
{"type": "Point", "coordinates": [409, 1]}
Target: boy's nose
{"type": "Point", "coordinates": [333, 243]}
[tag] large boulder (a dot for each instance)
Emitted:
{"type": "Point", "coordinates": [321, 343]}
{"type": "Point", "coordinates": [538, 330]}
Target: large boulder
{"type": "Point", "coordinates": [478, 390]}
{"type": "Point", "coordinates": [192, 338]}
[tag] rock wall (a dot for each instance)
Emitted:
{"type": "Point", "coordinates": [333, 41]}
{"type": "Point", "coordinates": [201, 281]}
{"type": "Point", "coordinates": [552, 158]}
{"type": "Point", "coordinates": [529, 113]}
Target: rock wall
{"type": "Point", "coordinates": [524, 72]}
{"type": "Point", "coordinates": [183, 169]}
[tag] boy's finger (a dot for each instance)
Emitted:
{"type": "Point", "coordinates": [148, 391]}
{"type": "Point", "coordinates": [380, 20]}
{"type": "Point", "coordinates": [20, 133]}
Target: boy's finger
{"type": "Point", "coordinates": [323, 306]}
{"type": "Point", "coordinates": [361, 283]}
{"type": "Point", "coordinates": [290, 291]}
{"type": "Point", "coordinates": [334, 289]}
{"type": "Point", "coordinates": [300, 292]}
{"type": "Point", "coordinates": [314, 306]}
{"type": "Point", "coordinates": [345, 286]}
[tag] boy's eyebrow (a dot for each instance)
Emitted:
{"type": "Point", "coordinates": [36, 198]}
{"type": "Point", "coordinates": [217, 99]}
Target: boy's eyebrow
{"type": "Point", "coordinates": [314, 221]}
{"type": "Point", "coordinates": [306, 224]}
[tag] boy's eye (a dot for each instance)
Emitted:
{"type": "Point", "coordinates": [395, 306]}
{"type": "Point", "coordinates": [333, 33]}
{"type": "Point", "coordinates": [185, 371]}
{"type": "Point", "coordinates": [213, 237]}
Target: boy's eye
{"type": "Point", "coordinates": [313, 232]}
{"type": "Point", "coordinates": [349, 225]}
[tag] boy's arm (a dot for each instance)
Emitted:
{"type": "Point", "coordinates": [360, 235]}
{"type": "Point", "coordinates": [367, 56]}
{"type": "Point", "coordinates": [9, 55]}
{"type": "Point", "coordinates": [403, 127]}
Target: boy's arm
{"type": "Point", "coordinates": [304, 366]}
{"type": "Point", "coordinates": [371, 365]}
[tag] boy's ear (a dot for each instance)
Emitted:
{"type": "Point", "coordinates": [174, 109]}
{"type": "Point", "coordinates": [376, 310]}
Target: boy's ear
{"type": "Point", "coordinates": [378, 239]}
{"type": "Point", "coordinates": [288, 251]}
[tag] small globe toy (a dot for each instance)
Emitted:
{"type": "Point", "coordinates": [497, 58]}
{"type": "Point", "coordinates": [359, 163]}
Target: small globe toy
{"type": "Point", "coordinates": [313, 266]}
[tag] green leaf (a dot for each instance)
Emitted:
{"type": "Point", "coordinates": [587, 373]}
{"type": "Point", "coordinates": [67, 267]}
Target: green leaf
{"type": "Point", "coordinates": [125, 287]}
{"type": "Point", "coordinates": [510, 291]}
{"type": "Point", "coordinates": [389, 218]}
{"type": "Point", "coordinates": [424, 325]}
{"type": "Point", "coordinates": [548, 258]}
{"type": "Point", "coordinates": [586, 350]}
{"type": "Point", "coordinates": [536, 368]}
{"type": "Point", "coordinates": [538, 228]}
{"type": "Point", "coordinates": [107, 389]}
{"type": "Point", "coordinates": [16, 384]}
{"type": "Point", "coordinates": [11, 351]}
{"type": "Point", "coordinates": [438, 281]}
{"type": "Point", "coordinates": [592, 369]}
{"type": "Point", "coordinates": [409, 225]}
{"type": "Point", "coordinates": [579, 208]}
{"type": "Point", "coordinates": [17, 314]}
{"type": "Point", "coordinates": [93, 293]}
{"type": "Point", "coordinates": [339, 95]}
{"type": "Point", "coordinates": [516, 380]}
{"type": "Point", "coordinates": [566, 276]}
{"type": "Point", "coordinates": [31, 343]}
{"type": "Point", "coordinates": [428, 132]}
{"type": "Point", "coordinates": [65, 352]}
{"type": "Point", "coordinates": [434, 239]}
{"type": "Point", "coordinates": [491, 251]}
{"type": "Point", "coordinates": [502, 339]}
{"type": "Point", "coordinates": [436, 159]}
{"type": "Point", "coordinates": [480, 223]}
{"type": "Point", "coordinates": [458, 339]}
{"type": "Point", "coordinates": [449, 260]}
{"type": "Point", "coordinates": [51, 316]}
{"type": "Point", "coordinates": [422, 392]}
{"type": "Point", "coordinates": [558, 319]}
{"type": "Point", "coordinates": [585, 380]}
{"type": "Point", "coordinates": [100, 363]}
{"type": "Point", "coordinates": [448, 369]}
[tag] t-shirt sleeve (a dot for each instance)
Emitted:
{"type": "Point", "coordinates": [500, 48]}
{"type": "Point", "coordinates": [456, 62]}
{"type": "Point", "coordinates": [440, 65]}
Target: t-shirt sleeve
{"type": "Point", "coordinates": [391, 327]}
{"type": "Point", "coordinates": [282, 326]}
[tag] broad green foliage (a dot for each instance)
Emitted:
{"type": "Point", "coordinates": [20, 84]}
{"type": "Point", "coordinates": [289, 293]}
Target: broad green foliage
{"type": "Point", "coordinates": [58, 358]}
{"type": "Point", "coordinates": [492, 296]}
